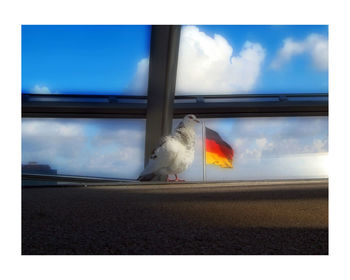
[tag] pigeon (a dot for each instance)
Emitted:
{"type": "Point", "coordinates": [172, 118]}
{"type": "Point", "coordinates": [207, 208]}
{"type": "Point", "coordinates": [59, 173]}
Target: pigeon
{"type": "Point", "coordinates": [174, 154]}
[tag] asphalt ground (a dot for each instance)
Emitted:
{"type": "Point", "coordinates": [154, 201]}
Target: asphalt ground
{"type": "Point", "coordinates": [248, 218]}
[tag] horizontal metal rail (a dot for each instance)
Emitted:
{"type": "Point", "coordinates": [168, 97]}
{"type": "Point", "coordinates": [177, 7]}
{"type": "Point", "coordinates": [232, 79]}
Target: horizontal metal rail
{"type": "Point", "coordinates": [82, 94]}
{"type": "Point", "coordinates": [209, 106]}
{"type": "Point", "coordinates": [130, 182]}
{"type": "Point", "coordinates": [70, 178]}
{"type": "Point", "coordinates": [180, 96]}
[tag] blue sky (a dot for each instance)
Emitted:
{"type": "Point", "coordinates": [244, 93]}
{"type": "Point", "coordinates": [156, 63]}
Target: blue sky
{"type": "Point", "coordinates": [82, 59]}
{"type": "Point", "coordinates": [212, 60]}
{"type": "Point", "coordinates": [105, 59]}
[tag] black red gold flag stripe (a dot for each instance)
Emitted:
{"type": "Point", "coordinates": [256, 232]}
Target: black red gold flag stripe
{"type": "Point", "coordinates": [217, 151]}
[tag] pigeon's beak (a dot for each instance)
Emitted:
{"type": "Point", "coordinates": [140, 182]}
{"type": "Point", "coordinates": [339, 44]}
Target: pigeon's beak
{"type": "Point", "coordinates": [197, 121]}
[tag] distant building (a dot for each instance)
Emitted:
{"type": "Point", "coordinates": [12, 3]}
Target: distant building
{"type": "Point", "coordinates": [35, 168]}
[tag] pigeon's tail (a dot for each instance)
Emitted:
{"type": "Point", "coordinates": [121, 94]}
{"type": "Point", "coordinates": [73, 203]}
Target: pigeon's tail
{"type": "Point", "coordinates": [146, 177]}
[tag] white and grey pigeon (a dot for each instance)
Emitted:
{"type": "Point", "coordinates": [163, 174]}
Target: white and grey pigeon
{"type": "Point", "coordinates": [175, 153]}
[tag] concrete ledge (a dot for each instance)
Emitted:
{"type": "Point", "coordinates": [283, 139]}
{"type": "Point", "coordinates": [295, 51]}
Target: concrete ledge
{"type": "Point", "coordinates": [185, 218]}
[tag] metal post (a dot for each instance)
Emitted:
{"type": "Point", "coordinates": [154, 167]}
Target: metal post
{"type": "Point", "coordinates": [204, 152]}
{"type": "Point", "coordinates": [161, 84]}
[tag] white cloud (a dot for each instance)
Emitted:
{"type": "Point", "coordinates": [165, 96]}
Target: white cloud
{"type": "Point", "coordinates": [208, 65]}
{"type": "Point", "coordinates": [318, 146]}
{"type": "Point", "coordinates": [112, 148]}
{"type": "Point", "coordinates": [249, 148]}
{"type": "Point", "coordinates": [261, 142]}
{"type": "Point", "coordinates": [122, 162]}
{"type": "Point", "coordinates": [315, 45]}
{"type": "Point", "coordinates": [140, 81]}
{"type": "Point", "coordinates": [46, 139]}
{"type": "Point", "coordinates": [41, 89]}
{"type": "Point", "coordinates": [125, 136]}
{"type": "Point", "coordinates": [239, 142]}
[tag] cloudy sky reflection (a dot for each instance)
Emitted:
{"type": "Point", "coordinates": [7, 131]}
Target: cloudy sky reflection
{"type": "Point", "coordinates": [268, 148]}
{"type": "Point", "coordinates": [106, 148]}
{"type": "Point", "coordinates": [265, 148]}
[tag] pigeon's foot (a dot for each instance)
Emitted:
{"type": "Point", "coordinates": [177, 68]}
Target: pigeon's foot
{"type": "Point", "coordinates": [175, 180]}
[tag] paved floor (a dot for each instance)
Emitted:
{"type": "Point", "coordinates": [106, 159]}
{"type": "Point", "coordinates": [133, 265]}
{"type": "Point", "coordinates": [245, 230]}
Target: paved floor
{"type": "Point", "coordinates": [211, 219]}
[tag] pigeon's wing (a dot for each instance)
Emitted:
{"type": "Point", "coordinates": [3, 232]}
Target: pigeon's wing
{"type": "Point", "coordinates": [161, 157]}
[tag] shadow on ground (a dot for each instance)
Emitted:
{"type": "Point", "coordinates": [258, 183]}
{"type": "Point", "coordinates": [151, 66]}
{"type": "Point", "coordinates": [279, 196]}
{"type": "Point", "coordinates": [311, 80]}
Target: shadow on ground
{"type": "Point", "coordinates": [103, 221]}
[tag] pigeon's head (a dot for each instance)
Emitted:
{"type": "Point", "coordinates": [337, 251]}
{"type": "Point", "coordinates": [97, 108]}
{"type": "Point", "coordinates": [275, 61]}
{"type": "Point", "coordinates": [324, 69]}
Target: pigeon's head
{"type": "Point", "coordinates": [190, 120]}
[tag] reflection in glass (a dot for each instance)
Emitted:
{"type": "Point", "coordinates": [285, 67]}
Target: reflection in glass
{"type": "Point", "coordinates": [87, 147]}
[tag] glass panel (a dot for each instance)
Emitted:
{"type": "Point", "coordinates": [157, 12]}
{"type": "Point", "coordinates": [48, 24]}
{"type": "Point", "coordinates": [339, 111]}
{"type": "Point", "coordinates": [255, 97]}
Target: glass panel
{"type": "Point", "coordinates": [266, 148]}
{"type": "Point", "coordinates": [85, 59]}
{"type": "Point", "coordinates": [253, 59]}
{"type": "Point", "coordinates": [86, 147]}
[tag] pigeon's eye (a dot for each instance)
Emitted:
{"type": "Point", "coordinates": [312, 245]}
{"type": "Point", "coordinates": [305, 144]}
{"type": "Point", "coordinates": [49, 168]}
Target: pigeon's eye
{"type": "Point", "coordinates": [190, 117]}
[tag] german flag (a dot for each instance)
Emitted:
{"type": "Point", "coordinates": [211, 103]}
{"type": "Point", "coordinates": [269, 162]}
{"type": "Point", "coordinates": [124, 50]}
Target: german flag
{"type": "Point", "coordinates": [217, 151]}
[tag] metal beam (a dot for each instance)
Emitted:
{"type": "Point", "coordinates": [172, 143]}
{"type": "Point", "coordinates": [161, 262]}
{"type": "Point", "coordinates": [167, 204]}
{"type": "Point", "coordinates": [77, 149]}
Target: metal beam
{"type": "Point", "coordinates": [252, 109]}
{"type": "Point", "coordinates": [84, 110]}
{"type": "Point", "coordinates": [161, 84]}
{"type": "Point", "coordinates": [208, 106]}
